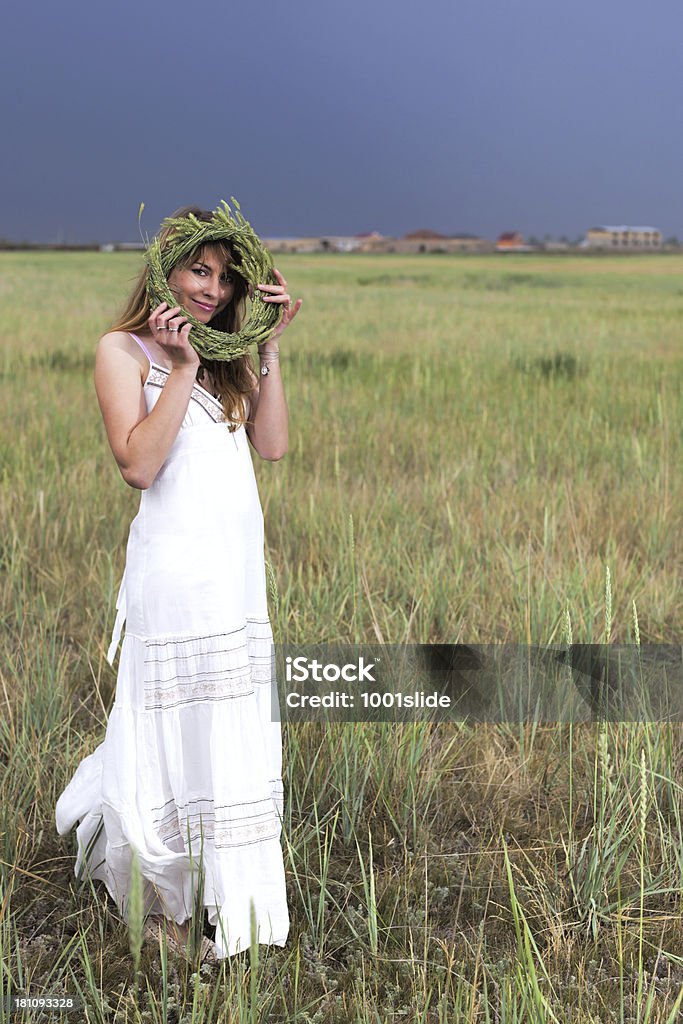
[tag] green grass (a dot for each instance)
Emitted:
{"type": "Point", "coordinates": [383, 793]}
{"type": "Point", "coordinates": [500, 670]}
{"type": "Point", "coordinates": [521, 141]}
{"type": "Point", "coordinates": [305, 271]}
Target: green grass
{"type": "Point", "coordinates": [474, 443]}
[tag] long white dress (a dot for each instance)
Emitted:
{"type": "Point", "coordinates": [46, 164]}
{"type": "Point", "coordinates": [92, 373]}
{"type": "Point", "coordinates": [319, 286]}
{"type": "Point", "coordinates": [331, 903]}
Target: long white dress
{"type": "Point", "coordinates": [190, 769]}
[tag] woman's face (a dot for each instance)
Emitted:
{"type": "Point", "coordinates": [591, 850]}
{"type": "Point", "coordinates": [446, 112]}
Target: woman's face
{"type": "Point", "coordinates": [204, 288]}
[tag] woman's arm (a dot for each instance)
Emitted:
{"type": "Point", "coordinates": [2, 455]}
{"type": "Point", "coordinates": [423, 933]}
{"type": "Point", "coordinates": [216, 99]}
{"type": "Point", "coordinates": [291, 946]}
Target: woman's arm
{"type": "Point", "coordinates": [268, 430]}
{"type": "Point", "coordinates": [139, 441]}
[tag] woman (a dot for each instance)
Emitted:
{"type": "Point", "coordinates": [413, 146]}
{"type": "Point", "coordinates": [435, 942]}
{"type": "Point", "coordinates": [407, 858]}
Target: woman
{"type": "Point", "coordinates": [189, 777]}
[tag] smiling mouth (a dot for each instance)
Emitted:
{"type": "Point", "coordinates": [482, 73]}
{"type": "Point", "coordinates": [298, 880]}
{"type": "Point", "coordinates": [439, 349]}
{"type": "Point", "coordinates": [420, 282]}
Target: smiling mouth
{"type": "Point", "coordinates": [208, 309]}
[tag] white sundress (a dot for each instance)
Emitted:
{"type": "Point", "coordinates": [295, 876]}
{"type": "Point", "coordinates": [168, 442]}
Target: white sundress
{"type": "Point", "coordinates": [190, 746]}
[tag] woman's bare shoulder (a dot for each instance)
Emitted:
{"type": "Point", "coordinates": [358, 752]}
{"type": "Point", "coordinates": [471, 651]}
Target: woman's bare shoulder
{"type": "Point", "coordinates": [121, 341]}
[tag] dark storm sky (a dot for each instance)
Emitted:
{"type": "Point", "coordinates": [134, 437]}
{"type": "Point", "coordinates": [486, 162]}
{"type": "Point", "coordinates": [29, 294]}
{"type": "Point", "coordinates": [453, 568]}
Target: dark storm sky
{"type": "Point", "coordinates": [342, 117]}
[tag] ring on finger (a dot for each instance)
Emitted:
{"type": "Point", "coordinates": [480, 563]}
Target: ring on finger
{"type": "Point", "coordinates": [162, 327]}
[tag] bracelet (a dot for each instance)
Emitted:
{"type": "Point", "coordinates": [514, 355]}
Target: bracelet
{"type": "Point", "coordinates": [266, 358]}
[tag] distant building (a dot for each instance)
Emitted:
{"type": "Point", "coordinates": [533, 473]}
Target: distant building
{"type": "Point", "coordinates": [123, 247]}
{"type": "Point", "coordinates": [622, 237]}
{"type": "Point", "coordinates": [372, 241]}
{"type": "Point", "coordinates": [422, 234]}
{"type": "Point", "coordinates": [341, 243]}
{"type": "Point", "coordinates": [328, 243]}
{"type": "Point", "coordinates": [510, 241]}
{"type": "Point", "coordinates": [426, 240]}
{"type": "Point", "coordinates": [465, 242]}
{"type": "Point", "coordinates": [293, 244]}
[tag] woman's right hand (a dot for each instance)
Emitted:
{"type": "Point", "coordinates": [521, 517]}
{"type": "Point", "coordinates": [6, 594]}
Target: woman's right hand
{"type": "Point", "coordinates": [175, 343]}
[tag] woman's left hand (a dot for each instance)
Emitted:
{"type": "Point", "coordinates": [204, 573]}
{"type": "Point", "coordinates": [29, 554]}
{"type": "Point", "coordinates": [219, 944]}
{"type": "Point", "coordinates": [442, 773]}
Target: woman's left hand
{"type": "Point", "coordinates": [278, 293]}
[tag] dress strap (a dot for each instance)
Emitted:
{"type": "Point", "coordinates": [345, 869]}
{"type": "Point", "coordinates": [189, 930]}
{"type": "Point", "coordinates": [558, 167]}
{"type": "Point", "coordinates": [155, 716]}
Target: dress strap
{"type": "Point", "coordinates": [120, 619]}
{"type": "Point", "coordinates": [142, 345]}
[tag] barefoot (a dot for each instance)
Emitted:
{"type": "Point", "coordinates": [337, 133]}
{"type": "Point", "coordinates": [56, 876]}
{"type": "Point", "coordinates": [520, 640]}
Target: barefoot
{"type": "Point", "coordinates": [180, 933]}
{"type": "Point", "coordinates": [176, 934]}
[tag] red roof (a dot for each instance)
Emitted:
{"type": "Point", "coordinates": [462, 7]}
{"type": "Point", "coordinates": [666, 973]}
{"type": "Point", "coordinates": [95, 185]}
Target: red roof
{"type": "Point", "coordinates": [424, 233]}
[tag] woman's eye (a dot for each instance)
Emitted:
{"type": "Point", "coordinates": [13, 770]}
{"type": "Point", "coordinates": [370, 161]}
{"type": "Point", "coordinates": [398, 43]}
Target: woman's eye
{"type": "Point", "coordinates": [229, 279]}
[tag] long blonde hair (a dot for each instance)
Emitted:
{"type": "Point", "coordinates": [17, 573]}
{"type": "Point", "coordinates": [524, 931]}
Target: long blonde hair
{"type": "Point", "coordinates": [234, 379]}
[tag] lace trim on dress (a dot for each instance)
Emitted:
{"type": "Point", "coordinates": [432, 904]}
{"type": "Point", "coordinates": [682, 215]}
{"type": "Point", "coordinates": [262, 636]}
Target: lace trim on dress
{"type": "Point", "coordinates": [156, 376]}
{"type": "Point", "coordinates": [238, 824]}
{"type": "Point", "coordinates": [212, 406]}
{"type": "Point", "coordinates": [219, 667]}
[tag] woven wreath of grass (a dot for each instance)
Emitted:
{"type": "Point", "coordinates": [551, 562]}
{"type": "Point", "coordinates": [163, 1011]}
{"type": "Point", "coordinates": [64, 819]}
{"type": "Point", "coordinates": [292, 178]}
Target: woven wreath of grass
{"type": "Point", "coordinates": [253, 262]}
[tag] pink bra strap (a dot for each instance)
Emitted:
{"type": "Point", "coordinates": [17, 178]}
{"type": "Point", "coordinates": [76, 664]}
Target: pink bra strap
{"type": "Point", "coordinates": [142, 345]}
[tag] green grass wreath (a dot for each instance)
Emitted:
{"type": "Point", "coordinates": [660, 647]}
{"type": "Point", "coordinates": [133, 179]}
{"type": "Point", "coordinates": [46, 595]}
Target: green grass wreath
{"type": "Point", "coordinates": [252, 261]}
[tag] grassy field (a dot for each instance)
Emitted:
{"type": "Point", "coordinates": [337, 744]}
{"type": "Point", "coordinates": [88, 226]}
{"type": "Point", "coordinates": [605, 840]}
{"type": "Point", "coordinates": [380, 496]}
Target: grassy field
{"type": "Point", "coordinates": [475, 443]}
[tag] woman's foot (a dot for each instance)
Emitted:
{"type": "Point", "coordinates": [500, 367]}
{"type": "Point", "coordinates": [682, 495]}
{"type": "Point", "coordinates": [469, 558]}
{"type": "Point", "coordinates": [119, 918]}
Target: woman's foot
{"type": "Point", "coordinates": [208, 952]}
{"type": "Point", "coordinates": [176, 934]}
